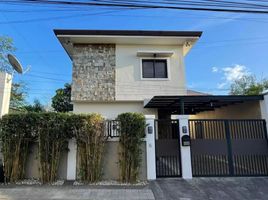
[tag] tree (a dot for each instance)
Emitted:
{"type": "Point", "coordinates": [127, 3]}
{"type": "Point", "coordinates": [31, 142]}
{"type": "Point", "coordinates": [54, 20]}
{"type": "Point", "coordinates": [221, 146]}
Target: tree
{"type": "Point", "coordinates": [18, 95]}
{"type": "Point", "coordinates": [248, 85]}
{"type": "Point", "coordinates": [61, 102]}
{"type": "Point", "coordinates": [36, 107]}
{"type": "Point", "coordinates": [6, 46]}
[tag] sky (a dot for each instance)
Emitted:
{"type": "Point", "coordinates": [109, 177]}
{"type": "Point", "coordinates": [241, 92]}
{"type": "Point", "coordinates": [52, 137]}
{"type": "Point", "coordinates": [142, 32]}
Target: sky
{"type": "Point", "coordinates": [232, 45]}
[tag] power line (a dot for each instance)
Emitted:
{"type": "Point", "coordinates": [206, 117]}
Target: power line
{"type": "Point", "coordinates": [53, 18]}
{"type": "Point", "coordinates": [236, 9]}
{"type": "Point", "coordinates": [213, 3]}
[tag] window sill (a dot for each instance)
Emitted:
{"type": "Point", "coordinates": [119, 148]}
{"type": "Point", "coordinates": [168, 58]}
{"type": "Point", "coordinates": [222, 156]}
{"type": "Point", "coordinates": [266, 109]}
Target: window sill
{"type": "Point", "coordinates": [155, 79]}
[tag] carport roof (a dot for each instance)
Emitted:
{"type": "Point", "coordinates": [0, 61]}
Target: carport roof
{"type": "Point", "coordinates": [197, 103]}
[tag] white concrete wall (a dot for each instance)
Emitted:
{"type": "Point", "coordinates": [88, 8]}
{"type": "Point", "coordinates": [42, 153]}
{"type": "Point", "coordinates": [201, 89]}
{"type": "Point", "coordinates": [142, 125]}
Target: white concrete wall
{"type": "Point", "coordinates": [264, 108]}
{"type": "Point", "coordinates": [150, 147]}
{"type": "Point", "coordinates": [246, 110]}
{"type": "Point", "coordinates": [186, 163]}
{"type": "Point", "coordinates": [110, 110]}
{"type": "Point", "coordinates": [71, 160]}
{"type": "Point", "coordinates": [5, 90]}
{"type": "Point", "coordinates": [130, 86]}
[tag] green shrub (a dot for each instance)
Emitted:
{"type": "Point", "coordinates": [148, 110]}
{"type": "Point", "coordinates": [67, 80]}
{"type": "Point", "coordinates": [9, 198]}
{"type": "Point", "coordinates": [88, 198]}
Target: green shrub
{"type": "Point", "coordinates": [132, 131]}
{"type": "Point", "coordinates": [53, 136]}
{"type": "Point", "coordinates": [17, 133]}
{"type": "Point", "coordinates": [90, 136]}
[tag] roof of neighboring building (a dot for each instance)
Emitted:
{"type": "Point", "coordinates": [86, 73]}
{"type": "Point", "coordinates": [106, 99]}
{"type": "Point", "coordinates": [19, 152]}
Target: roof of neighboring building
{"type": "Point", "coordinates": [129, 33]}
{"type": "Point", "coordinates": [195, 93]}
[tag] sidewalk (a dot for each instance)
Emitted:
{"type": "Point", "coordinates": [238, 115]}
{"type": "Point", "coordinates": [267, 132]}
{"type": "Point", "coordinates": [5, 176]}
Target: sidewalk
{"type": "Point", "coordinates": [74, 193]}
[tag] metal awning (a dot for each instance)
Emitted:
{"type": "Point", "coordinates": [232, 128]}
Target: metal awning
{"type": "Point", "coordinates": [196, 104]}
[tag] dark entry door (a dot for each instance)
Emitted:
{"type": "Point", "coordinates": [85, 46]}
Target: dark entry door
{"type": "Point", "coordinates": [168, 160]}
{"type": "Point", "coordinates": [229, 147]}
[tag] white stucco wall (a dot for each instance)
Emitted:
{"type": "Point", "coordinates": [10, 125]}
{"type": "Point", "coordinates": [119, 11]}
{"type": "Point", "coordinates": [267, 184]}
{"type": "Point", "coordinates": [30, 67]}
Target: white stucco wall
{"type": "Point", "coordinates": [5, 89]}
{"type": "Point", "coordinates": [246, 110]}
{"type": "Point", "coordinates": [264, 108]}
{"type": "Point", "coordinates": [130, 86]}
{"type": "Point", "coordinates": [110, 110]}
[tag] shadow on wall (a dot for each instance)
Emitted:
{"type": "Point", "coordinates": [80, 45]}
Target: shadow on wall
{"type": "Point", "coordinates": [110, 163]}
{"type": "Point", "coordinates": [32, 164]}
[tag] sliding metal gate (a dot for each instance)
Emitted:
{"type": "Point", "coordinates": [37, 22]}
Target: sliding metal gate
{"type": "Point", "coordinates": [229, 147]}
{"type": "Point", "coordinates": [168, 160]}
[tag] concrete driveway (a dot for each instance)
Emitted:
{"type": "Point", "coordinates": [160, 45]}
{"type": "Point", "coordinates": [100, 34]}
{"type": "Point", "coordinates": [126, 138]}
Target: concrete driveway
{"type": "Point", "coordinates": [236, 188]}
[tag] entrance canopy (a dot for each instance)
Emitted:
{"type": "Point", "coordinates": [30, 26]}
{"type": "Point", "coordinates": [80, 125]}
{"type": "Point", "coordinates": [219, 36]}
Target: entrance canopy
{"type": "Point", "coordinates": [195, 104]}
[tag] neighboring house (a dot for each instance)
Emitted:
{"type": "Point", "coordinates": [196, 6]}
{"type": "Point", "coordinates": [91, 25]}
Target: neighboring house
{"type": "Point", "coordinates": [189, 133]}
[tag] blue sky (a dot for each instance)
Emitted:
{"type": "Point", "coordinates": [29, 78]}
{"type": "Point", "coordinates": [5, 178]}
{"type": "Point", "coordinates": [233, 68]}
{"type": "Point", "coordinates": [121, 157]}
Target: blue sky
{"type": "Point", "coordinates": [231, 44]}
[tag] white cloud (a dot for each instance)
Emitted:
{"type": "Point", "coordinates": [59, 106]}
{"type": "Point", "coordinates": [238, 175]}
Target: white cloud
{"type": "Point", "coordinates": [230, 74]}
{"type": "Point", "coordinates": [234, 73]}
{"type": "Point", "coordinates": [215, 69]}
{"type": "Point", "coordinates": [221, 85]}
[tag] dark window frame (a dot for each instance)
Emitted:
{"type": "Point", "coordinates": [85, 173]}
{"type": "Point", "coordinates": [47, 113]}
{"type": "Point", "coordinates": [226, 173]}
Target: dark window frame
{"type": "Point", "coordinates": [154, 61]}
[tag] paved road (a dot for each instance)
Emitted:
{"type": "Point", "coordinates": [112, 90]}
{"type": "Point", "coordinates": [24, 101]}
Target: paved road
{"type": "Point", "coordinates": [237, 188]}
{"type": "Point", "coordinates": [73, 193]}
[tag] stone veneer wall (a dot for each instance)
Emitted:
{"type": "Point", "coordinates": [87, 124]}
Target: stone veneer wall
{"type": "Point", "coordinates": [93, 72]}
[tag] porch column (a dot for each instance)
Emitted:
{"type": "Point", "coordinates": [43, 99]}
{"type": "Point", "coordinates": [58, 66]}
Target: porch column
{"type": "Point", "coordinates": [150, 147]}
{"type": "Point", "coordinates": [71, 159]}
{"type": "Point", "coordinates": [186, 164]}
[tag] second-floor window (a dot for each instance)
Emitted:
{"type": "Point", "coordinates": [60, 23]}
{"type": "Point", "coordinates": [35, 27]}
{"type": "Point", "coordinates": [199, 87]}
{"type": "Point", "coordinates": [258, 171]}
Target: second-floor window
{"type": "Point", "coordinates": [154, 68]}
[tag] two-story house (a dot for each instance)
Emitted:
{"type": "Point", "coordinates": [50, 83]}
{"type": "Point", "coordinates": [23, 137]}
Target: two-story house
{"type": "Point", "coordinates": [116, 71]}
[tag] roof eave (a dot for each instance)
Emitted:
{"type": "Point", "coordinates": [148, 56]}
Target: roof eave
{"type": "Point", "coordinates": [128, 33]}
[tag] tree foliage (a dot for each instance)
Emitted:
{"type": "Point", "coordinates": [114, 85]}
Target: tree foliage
{"type": "Point", "coordinates": [248, 85]}
{"type": "Point", "coordinates": [61, 102]}
{"type": "Point", "coordinates": [18, 95]}
{"type": "Point", "coordinates": [6, 46]}
{"type": "Point", "coordinates": [35, 107]}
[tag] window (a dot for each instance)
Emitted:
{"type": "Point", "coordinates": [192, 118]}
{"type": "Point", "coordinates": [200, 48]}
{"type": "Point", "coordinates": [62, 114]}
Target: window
{"type": "Point", "coordinates": [154, 68]}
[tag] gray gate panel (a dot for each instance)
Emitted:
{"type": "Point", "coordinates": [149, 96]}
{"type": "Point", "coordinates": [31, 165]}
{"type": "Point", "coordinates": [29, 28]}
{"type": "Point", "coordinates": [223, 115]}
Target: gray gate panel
{"type": "Point", "coordinates": [249, 146]}
{"type": "Point", "coordinates": [229, 147]}
{"type": "Point", "coordinates": [211, 147]}
{"type": "Point", "coordinates": [167, 147]}
{"type": "Point", "coordinates": [168, 160]}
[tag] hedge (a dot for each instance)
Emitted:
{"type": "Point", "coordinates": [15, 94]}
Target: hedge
{"type": "Point", "coordinates": [52, 132]}
{"type": "Point", "coordinates": [132, 131]}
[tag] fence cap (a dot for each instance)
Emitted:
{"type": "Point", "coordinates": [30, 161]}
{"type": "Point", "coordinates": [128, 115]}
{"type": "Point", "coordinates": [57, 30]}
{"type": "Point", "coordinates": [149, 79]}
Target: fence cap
{"type": "Point", "coordinates": [265, 92]}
